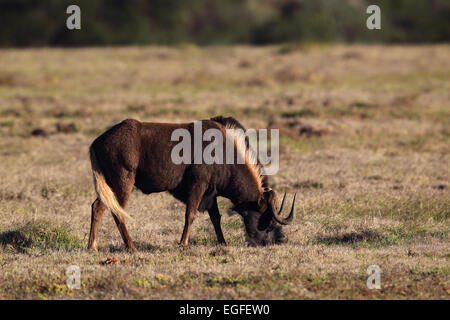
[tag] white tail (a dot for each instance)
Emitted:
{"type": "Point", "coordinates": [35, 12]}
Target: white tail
{"type": "Point", "coordinates": [104, 192]}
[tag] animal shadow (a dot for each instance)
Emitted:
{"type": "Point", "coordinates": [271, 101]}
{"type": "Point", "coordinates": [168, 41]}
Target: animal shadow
{"type": "Point", "coordinates": [350, 238]}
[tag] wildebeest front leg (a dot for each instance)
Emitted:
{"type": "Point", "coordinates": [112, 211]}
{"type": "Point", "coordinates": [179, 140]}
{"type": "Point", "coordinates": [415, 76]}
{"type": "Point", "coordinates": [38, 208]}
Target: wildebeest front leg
{"type": "Point", "coordinates": [214, 214]}
{"type": "Point", "coordinates": [191, 210]}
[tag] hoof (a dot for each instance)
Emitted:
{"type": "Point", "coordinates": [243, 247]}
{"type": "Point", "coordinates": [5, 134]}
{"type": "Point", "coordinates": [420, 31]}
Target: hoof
{"type": "Point", "coordinates": [184, 246]}
{"type": "Point", "coordinates": [132, 249]}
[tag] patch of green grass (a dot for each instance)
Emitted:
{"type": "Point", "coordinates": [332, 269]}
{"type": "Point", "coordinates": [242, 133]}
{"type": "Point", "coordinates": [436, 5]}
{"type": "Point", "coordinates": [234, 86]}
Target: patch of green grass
{"type": "Point", "coordinates": [441, 115]}
{"type": "Point", "coordinates": [418, 210]}
{"type": "Point", "coordinates": [261, 282]}
{"type": "Point", "coordinates": [226, 281]}
{"type": "Point", "coordinates": [317, 279]}
{"type": "Point", "coordinates": [416, 219]}
{"type": "Point", "coordinates": [92, 132]}
{"type": "Point", "coordinates": [357, 109]}
{"type": "Point", "coordinates": [204, 240]}
{"type": "Point", "coordinates": [223, 204]}
{"type": "Point", "coordinates": [14, 149]}
{"type": "Point", "coordinates": [40, 288]}
{"type": "Point", "coordinates": [11, 112]}
{"type": "Point", "coordinates": [445, 271]}
{"type": "Point", "coordinates": [8, 124]}
{"type": "Point", "coordinates": [302, 145]}
{"type": "Point", "coordinates": [365, 110]}
{"type": "Point", "coordinates": [210, 240]}
{"type": "Point", "coordinates": [368, 238]}
{"type": "Point", "coordinates": [411, 143]}
{"type": "Point", "coordinates": [289, 47]}
{"type": "Point", "coordinates": [162, 280]}
{"type": "Point", "coordinates": [399, 236]}
{"type": "Point", "coordinates": [234, 223]}
{"type": "Point", "coordinates": [57, 288]}
{"type": "Point", "coordinates": [40, 237]}
{"type": "Point", "coordinates": [236, 241]}
{"type": "Point", "coordinates": [142, 282]}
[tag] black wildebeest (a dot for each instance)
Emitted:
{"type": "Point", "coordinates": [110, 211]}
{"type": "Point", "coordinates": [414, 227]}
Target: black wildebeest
{"type": "Point", "coordinates": [134, 153]}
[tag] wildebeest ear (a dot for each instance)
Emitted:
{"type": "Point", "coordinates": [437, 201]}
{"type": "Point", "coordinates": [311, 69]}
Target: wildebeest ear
{"type": "Point", "coordinates": [267, 199]}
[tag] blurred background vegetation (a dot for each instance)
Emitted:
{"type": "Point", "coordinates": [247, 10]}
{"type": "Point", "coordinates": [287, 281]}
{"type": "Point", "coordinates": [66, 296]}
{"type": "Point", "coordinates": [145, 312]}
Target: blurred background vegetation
{"type": "Point", "coordinates": [205, 22]}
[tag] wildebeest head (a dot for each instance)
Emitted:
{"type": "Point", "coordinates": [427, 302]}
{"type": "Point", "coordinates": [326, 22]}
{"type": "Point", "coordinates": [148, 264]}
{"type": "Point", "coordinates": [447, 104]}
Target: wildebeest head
{"type": "Point", "coordinates": [262, 219]}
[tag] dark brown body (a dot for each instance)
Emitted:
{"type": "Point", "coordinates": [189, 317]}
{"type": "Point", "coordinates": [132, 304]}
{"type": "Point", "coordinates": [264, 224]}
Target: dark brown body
{"type": "Point", "coordinates": [134, 153]}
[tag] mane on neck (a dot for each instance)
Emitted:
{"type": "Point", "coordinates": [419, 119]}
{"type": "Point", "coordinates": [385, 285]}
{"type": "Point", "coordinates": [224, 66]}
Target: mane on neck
{"type": "Point", "coordinates": [236, 132]}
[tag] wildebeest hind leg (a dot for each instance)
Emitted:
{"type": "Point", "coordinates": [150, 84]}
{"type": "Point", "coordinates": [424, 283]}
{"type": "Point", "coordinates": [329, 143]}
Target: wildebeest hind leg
{"type": "Point", "coordinates": [122, 191]}
{"type": "Point", "coordinates": [214, 214]}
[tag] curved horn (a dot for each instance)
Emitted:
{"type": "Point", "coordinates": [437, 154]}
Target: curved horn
{"type": "Point", "coordinates": [290, 218]}
{"type": "Point", "coordinates": [282, 204]}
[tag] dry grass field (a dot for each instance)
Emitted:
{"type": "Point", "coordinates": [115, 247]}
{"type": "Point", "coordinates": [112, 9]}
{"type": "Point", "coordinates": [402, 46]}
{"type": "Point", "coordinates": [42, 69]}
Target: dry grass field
{"type": "Point", "coordinates": [364, 141]}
